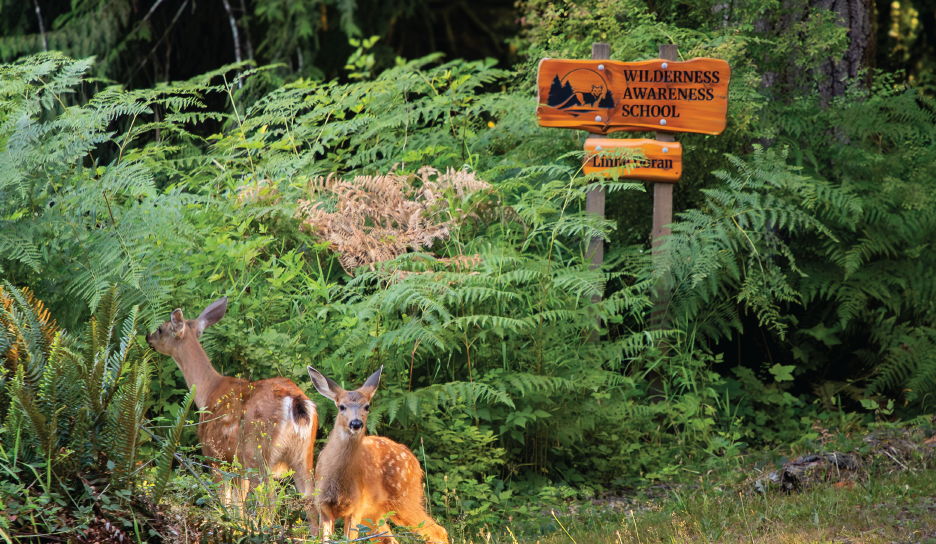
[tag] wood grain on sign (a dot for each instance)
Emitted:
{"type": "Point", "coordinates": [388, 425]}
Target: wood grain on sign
{"type": "Point", "coordinates": [603, 96]}
{"type": "Point", "coordinates": [661, 161]}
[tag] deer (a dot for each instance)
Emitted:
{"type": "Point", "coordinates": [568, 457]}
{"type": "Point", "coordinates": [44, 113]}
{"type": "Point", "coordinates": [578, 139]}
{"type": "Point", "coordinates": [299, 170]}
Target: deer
{"type": "Point", "coordinates": [360, 477]}
{"type": "Point", "coordinates": [268, 425]}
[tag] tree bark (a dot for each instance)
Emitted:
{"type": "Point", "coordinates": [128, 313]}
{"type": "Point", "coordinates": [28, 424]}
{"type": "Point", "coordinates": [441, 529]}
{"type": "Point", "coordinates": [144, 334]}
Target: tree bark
{"type": "Point", "coordinates": [855, 15]}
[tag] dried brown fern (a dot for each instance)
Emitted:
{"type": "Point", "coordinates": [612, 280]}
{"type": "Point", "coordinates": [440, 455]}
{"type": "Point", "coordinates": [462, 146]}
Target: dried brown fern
{"type": "Point", "coordinates": [377, 218]}
{"type": "Point", "coordinates": [16, 322]}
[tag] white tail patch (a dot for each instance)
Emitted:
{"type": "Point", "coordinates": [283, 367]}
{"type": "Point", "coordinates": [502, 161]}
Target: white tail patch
{"type": "Point", "coordinates": [288, 415]}
{"type": "Point", "coordinates": [301, 426]}
{"type": "Point", "coordinates": [306, 428]}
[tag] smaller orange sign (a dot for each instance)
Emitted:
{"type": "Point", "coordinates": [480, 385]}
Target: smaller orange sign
{"type": "Point", "coordinates": [661, 161]}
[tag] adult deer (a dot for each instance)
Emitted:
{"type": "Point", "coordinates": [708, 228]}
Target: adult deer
{"type": "Point", "coordinates": [268, 424]}
{"type": "Point", "coordinates": [361, 477]}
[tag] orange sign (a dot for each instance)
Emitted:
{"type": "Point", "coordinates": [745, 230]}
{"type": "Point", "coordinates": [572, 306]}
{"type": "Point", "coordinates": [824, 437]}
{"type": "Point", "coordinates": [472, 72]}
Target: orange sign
{"type": "Point", "coordinates": [661, 161]}
{"type": "Point", "coordinates": [603, 96]}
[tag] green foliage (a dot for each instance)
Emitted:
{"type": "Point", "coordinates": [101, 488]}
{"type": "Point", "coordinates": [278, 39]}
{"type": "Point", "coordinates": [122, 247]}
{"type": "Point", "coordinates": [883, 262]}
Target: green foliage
{"type": "Point", "coordinates": [516, 371]}
{"type": "Point", "coordinates": [78, 199]}
{"type": "Point", "coordinates": [462, 468]}
{"type": "Point", "coordinates": [168, 451]}
{"type": "Point", "coordinates": [72, 412]}
{"type": "Point", "coordinates": [102, 385]}
{"type": "Point", "coordinates": [738, 244]}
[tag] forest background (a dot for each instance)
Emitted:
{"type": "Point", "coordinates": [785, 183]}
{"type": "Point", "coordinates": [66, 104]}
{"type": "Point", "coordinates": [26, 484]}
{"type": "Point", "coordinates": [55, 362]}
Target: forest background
{"type": "Point", "coordinates": [162, 154]}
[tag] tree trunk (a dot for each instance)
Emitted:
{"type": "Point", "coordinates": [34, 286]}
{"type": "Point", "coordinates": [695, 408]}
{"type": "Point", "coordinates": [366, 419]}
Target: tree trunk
{"type": "Point", "coordinates": [855, 15]}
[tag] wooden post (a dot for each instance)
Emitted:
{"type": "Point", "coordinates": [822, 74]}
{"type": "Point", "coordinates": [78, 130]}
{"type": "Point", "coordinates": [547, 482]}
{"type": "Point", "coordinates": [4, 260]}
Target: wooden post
{"type": "Point", "coordinates": [595, 199]}
{"type": "Point", "coordinates": [662, 215]}
{"type": "Point", "coordinates": [580, 95]}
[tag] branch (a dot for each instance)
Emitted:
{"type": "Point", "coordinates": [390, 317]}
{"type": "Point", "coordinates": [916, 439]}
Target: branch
{"type": "Point", "coordinates": [152, 9]}
{"type": "Point", "coordinates": [166, 33]}
{"type": "Point", "coordinates": [246, 29]}
{"type": "Point", "coordinates": [45, 43]}
{"type": "Point", "coordinates": [237, 47]}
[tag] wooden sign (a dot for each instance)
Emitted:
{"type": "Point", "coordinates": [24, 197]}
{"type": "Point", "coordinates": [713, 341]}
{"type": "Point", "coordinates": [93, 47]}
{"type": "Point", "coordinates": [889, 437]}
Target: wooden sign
{"type": "Point", "coordinates": [603, 96]}
{"type": "Point", "coordinates": [662, 161]}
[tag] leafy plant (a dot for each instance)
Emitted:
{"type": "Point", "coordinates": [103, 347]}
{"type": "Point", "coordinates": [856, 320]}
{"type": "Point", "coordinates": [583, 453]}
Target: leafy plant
{"type": "Point", "coordinates": [73, 414]}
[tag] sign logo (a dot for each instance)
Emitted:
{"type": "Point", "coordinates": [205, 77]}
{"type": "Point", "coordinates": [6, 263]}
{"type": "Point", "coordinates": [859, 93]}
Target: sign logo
{"type": "Point", "coordinates": [576, 102]}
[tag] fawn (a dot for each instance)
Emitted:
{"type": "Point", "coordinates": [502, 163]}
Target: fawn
{"type": "Point", "coordinates": [361, 477]}
{"type": "Point", "coordinates": [270, 425]}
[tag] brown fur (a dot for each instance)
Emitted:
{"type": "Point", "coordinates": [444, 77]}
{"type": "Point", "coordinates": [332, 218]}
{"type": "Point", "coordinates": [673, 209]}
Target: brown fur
{"type": "Point", "coordinates": [360, 478]}
{"type": "Point", "coordinates": [240, 418]}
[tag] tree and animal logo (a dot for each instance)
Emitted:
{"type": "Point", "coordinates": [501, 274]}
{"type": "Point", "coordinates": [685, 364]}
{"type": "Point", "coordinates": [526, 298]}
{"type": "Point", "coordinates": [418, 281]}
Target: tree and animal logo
{"type": "Point", "coordinates": [589, 94]}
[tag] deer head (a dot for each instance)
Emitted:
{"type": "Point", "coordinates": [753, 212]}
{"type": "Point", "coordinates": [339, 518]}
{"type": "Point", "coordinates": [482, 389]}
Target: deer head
{"type": "Point", "coordinates": [353, 406]}
{"type": "Point", "coordinates": [173, 334]}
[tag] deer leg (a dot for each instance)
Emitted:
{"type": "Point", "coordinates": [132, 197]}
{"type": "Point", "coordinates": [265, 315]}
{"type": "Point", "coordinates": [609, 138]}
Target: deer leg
{"type": "Point", "coordinates": [326, 521]}
{"type": "Point", "coordinates": [228, 490]}
{"type": "Point", "coordinates": [234, 493]}
{"type": "Point", "coordinates": [264, 490]}
{"type": "Point", "coordinates": [434, 532]}
{"type": "Point", "coordinates": [412, 517]}
{"type": "Point", "coordinates": [375, 525]}
{"type": "Point", "coordinates": [222, 489]}
{"type": "Point", "coordinates": [387, 538]}
{"type": "Point", "coordinates": [306, 486]}
{"type": "Point", "coordinates": [240, 487]}
{"type": "Point", "coordinates": [351, 522]}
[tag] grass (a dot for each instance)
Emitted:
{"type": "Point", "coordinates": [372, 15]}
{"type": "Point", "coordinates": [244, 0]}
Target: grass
{"type": "Point", "coordinates": [894, 508]}
{"type": "Point", "coordinates": [887, 494]}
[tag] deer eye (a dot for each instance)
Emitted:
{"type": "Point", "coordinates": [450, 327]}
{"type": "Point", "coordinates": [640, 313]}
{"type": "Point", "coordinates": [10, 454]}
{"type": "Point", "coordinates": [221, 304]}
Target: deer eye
{"type": "Point", "coordinates": [341, 407]}
{"type": "Point", "coordinates": [367, 408]}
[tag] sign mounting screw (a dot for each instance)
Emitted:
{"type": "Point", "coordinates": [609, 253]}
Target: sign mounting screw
{"type": "Point", "coordinates": [665, 66]}
{"type": "Point", "coordinates": [601, 66]}
{"type": "Point", "coordinates": [598, 148]}
{"type": "Point", "coordinates": [662, 121]}
{"type": "Point", "coordinates": [665, 150]}
{"type": "Point", "coordinates": [598, 118]}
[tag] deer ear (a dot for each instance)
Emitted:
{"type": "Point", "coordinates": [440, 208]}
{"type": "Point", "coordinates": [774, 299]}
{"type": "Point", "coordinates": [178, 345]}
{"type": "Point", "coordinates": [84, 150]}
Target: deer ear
{"type": "Point", "coordinates": [212, 314]}
{"type": "Point", "coordinates": [370, 386]}
{"type": "Point", "coordinates": [177, 323]}
{"type": "Point", "coordinates": [325, 385]}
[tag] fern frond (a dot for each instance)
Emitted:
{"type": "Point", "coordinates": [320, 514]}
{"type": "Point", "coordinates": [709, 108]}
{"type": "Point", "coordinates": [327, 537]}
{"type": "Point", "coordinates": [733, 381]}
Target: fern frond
{"type": "Point", "coordinates": [167, 452]}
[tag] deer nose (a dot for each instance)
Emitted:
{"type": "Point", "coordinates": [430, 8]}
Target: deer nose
{"type": "Point", "coordinates": [356, 424]}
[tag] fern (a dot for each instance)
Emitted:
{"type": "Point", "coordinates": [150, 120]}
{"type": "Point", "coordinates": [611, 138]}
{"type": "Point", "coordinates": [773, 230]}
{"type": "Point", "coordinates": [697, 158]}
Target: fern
{"type": "Point", "coordinates": [28, 332]}
{"type": "Point", "coordinates": [80, 407]}
{"type": "Point", "coordinates": [96, 224]}
{"type": "Point", "coordinates": [167, 453]}
{"type": "Point", "coordinates": [872, 282]}
{"type": "Point", "coordinates": [736, 245]}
